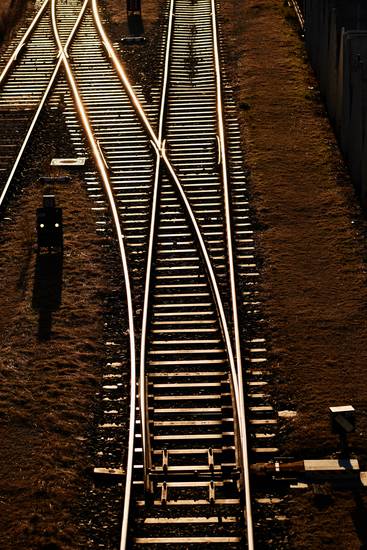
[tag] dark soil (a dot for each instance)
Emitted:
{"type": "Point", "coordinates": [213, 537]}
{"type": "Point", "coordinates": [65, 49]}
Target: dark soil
{"type": "Point", "coordinates": [312, 239]}
{"type": "Point", "coordinates": [52, 351]}
{"type": "Point", "coordinates": [11, 11]}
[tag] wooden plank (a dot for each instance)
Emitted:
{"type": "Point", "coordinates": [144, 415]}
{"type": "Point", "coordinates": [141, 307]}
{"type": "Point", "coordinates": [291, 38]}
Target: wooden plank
{"type": "Point", "coordinates": [189, 385]}
{"type": "Point", "coordinates": [174, 423]}
{"type": "Point", "coordinates": [187, 436]}
{"type": "Point", "coordinates": [190, 451]}
{"type": "Point", "coordinates": [265, 450]}
{"type": "Point", "coordinates": [118, 472]}
{"type": "Point", "coordinates": [190, 362]}
{"type": "Point", "coordinates": [190, 484]}
{"type": "Point", "coordinates": [184, 410]}
{"type": "Point", "coordinates": [199, 502]}
{"type": "Point", "coordinates": [184, 351]}
{"type": "Point", "coordinates": [287, 414]}
{"type": "Point", "coordinates": [186, 519]}
{"type": "Point", "coordinates": [263, 421]}
{"type": "Point", "coordinates": [187, 468]}
{"type": "Point", "coordinates": [273, 500]}
{"type": "Point", "coordinates": [186, 397]}
{"type": "Point", "coordinates": [186, 373]}
{"type": "Point", "coordinates": [187, 540]}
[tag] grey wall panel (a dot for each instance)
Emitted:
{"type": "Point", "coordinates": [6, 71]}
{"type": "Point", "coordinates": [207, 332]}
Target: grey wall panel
{"type": "Point", "coordinates": [336, 42]}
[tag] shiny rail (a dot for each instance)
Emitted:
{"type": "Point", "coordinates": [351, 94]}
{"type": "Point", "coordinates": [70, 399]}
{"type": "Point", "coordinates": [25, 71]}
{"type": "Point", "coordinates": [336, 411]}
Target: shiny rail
{"type": "Point", "coordinates": [160, 147]}
{"type": "Point", "coordinates": [235, 364]}
{"type": "Point", "coordinates": [241, 410]}
{"type": "Point", "coordinates": [5, 192]}
{"type": "Point", "coordinates": [294, 4]}
{"type": "Point", "coordinates": [145, 432]}
{"type": "Point", "coordinates": [27, 35]}
{"type": "Point", "coordinates": [102, 168]}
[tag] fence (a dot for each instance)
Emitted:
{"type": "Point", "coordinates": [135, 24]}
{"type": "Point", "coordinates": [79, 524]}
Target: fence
{"type": "Point", "coordinates": [336, 40]}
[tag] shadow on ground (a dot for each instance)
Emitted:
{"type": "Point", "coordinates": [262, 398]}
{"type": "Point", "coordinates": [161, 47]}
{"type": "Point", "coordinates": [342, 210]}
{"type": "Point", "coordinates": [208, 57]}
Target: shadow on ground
{"type": "Point", "coordinates": [47, 291]}
{"type": "Point", "coordinates": [135, 24]}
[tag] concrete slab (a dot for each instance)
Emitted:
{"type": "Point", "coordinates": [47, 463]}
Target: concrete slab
{"type": "Point", "coordinates": [79, 161]}
{"type": "Point", "coordinates": [287, 414]}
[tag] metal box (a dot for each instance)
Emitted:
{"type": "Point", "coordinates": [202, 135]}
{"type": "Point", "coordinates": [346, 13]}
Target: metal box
{"type": "Point", "coordinates": [342, 419]}
{"type": "Point", "coordinates": [49, 225]}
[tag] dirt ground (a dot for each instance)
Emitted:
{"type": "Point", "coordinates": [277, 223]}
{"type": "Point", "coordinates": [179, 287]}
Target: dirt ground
{"type": "Point", "coordinates": [312, 242]}
{"type": "Point", "coordinates": [312, 235]}
{"type": "Point", "coordinates": [51, 355]}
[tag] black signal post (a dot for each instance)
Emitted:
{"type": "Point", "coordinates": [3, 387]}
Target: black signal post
{"type": "Point", "coordinates": [133, 7]}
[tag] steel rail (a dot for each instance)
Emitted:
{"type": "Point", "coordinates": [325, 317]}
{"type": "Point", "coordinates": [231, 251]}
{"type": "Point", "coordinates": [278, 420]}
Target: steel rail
{"type": "Point", "coordinates": [147, 457]}
{"type": "Point", "coordinates": [22, 43]}
{"type": "Point", "coordinates": [229, 238]}
{"type": "Point", "coordinates": [100, 162]}
{"type": "Point", "coordinates": [161, 149]}
{"type": "Point", "coordinates": [299, 13]}
{"type": "Point", "coordinates": [40, 108]}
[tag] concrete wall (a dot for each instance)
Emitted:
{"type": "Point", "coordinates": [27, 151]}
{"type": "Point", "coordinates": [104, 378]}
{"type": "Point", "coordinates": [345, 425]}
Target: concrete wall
{"type": "Point", "coordinates": [336, 40]}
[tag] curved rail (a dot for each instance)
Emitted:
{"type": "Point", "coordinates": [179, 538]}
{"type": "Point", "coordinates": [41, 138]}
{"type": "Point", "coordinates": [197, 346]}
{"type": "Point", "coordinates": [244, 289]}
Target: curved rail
{"type": "Point", "coordinates": [299, 13]}
{"type": "Point", "coordinates": [161, 149]}
{"type": "Point", "coordinates": [120, 237]}
{"type": "Point", "coordinates": [229, 237]}
{"type": "Point", "coordinates": [236, 368]}
{"type": "Point", "coordinates": [236, 371]}
{"type": "Point", "coordinates": [40, 106]}
{"type": "Point", "coordinates": [209, 268]}
{"type": "Point", "coordinates": [153, 222]}
{"type": "Point", "coordinates": [23, 42]}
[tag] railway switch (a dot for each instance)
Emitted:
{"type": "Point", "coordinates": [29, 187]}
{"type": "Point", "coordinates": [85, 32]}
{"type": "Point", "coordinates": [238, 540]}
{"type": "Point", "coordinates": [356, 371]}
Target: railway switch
{"type": "Point", "coordinates": [49, 225]}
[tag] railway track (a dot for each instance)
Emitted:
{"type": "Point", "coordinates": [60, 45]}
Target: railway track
{"type": "Point", "coordinates": [169, 175]}
{"type": "Point", "coordinates": [190, 401]}
{"type": "Point", "coordinates": [299, 11]}
{"type": "Point", "coordinates": [90, 49]}
{"type": "Point", "coordinates": [23, 81]}
{"type": "Point", "coordinates": [26, 83]}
